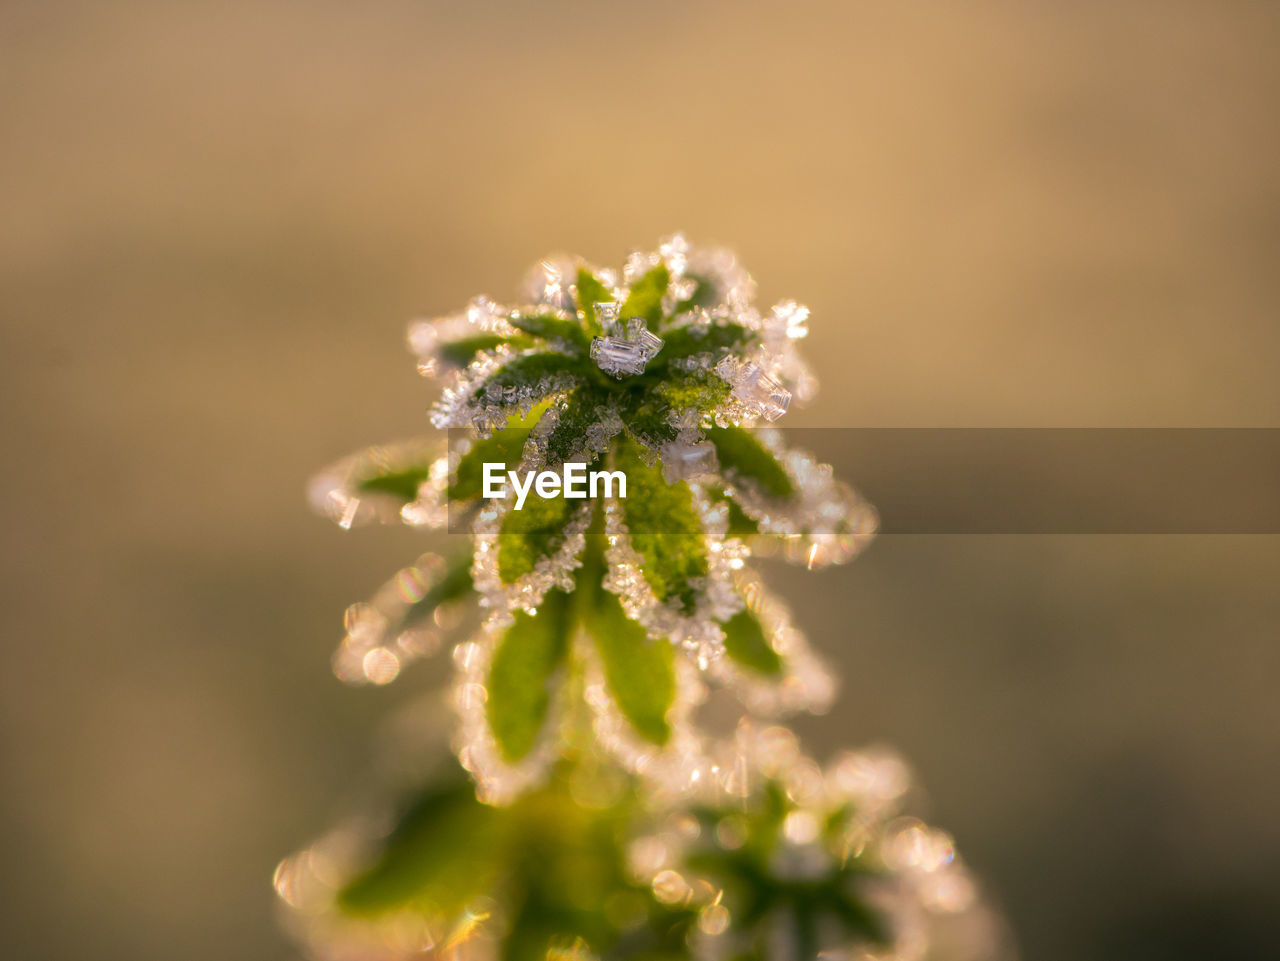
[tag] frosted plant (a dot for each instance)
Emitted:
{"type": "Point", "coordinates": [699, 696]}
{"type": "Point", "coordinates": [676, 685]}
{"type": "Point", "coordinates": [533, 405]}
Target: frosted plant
{"type": "Point", "coordinates": [600, 819]}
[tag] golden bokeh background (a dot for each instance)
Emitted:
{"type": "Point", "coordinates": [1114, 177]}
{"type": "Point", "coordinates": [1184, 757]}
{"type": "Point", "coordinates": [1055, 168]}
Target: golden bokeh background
{"type": "Point", "coordinates": [219, 216]}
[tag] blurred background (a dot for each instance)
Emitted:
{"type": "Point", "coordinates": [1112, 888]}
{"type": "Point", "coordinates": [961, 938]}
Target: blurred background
{"type": "Point", "coordinates": [218, 217]}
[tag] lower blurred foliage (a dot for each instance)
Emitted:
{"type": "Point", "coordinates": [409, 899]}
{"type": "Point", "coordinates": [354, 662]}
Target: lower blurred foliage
{"type": "Point", "coordinates": [750, 878]}
{"type": "Point", "coordinates": [787, 863]}
{"type": "Point", "coordinates": [546, 874]}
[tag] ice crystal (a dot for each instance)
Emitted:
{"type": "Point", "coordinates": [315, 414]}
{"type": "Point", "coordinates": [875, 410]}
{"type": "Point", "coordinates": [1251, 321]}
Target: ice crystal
{"type": "Point", "coordinates": [755, 390]}
{"type": "Point", "coordinates": [688, 457]}
{"type": "Point", "coordinates": [607, 314]}
{"type": "Point", "coordinates": [618, 353]}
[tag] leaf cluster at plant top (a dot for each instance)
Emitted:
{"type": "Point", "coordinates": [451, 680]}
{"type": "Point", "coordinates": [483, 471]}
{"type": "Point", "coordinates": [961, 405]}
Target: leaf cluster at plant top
{"type": "Point", "coordinates": [601, 819]}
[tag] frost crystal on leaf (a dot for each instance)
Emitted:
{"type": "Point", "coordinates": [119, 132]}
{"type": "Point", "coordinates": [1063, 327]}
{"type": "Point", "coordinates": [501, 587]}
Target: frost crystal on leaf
{"type": "Point", "coordinates": [620, 355]}
{"type": "Point", "coordinates": [607, 313]}
{"type": "Point", "coordinates": [685, 458]}
{"type": "Point", "coordinates": [755, 390]}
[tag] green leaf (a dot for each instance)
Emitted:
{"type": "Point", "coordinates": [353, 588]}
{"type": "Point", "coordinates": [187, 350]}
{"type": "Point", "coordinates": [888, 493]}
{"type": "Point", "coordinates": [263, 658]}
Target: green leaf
{"type": "Point", "coordinates": [639, 669]}
{"type": "Point", "coordinates": [520, 677]}
{"type": "Point", "coordinates": [665, 529]}
{"type": "Point", "coordinates": [645, 297]}
{"type": "Point", "coordinates": [699, 391]}
{"type": "Point", "coordinates": [744, 641]}
{"type": "Point", "coordinates": [532, 533]}
{"type": "Point", "coordinates": [459, 353]}
{"type": "Point", "coordinates": [648, 411]}
{"type": "Point", "coordinates": [530, 371]}
{"type": "Point", "coordinates": [741, 453]}
{"type": "Point", "coordinates": [590, 293]}
{"type": "Point", "coordinates": [552, 328]}
{"type": "Point", "coordinates": [740, 525]}
{"type": "Point", "coordinates": [566, 438]}
{"type": "Point", "coordinates": [443, 852]}
{"type": "Point", "coordinates": [685, 341]}
{"type": "Point", "coordinates": [505, 447]}
{"type": "Point", "coordinates": [454, 585]}
{"type": "Point", "coordinates": [402, 484]}
{"type": "Point", "coordinates": [646, 416]}
{"type": "Point", "coordinates": [705, 294]}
